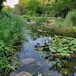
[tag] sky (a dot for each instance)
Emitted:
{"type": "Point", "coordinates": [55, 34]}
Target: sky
{"type": "Point", "coordinates": [11, 3]}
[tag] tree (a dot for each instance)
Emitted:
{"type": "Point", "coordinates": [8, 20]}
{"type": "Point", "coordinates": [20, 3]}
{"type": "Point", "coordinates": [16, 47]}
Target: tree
{"type": "Point", "coordinates": [19, 9]}
{"type": "Point", "coordinates": [7, 8]}
{"type": "Point", "coordinates": [23, 2]}
{"type": "Point", "coordinates": [35, 7]}
{"type": "Point", "coordinates": [1, 4]}
{"type": "Point", "coordinates": [60, 7]}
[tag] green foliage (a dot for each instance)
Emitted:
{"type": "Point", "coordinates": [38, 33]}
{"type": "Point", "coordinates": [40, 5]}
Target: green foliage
{"type": "Point", "coordinates": [23, 2]}
{"type": "Point", "coordinates": [19, 9]}
{"type": "Point", "coordinates": [65, 46]}
{"type": "Point", "coordinates": [59, 21]}
{"type": "Point", "coordinates": [28, 17]}
{"type": "Point", "coordinates": [62, 66]}
{"type": "Point", "coordinates": [34, 7]}
{"type": "Point", "coordinates": [1, 4]}
{"type": "Point", "coordinates": [40, 20]}
{"type": "Point", "coordinates": [45, 7]}
{"type": "Point", "coordinates": [37, 19]}
{"type": "Point", "coordinates": [10, 33]}
{"type": "Point", "coordinates": [57, 29]}
{"type": "Point", "coordinates": [70, 19]}
{"type": "Point", "coordinates": [7, 8]}
{"type": "Point", "coordinates": [60, 7]}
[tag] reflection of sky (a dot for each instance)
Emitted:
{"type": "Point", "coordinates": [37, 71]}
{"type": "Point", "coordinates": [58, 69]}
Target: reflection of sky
{"type": "Point", "coordinates": [74, 74]}
{"type": "Point", "coordinates": [11, 3]}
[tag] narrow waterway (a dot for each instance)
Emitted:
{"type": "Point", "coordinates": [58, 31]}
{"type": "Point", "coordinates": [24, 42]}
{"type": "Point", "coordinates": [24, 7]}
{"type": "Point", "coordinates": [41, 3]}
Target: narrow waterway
{"type": "Point", "coordinates": [37, 63]}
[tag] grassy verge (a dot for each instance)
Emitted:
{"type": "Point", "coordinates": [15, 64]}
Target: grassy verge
{"type": "Point", "coordinates": [53, 27]}
{"type": "Point", "coordinates": [10, 33]}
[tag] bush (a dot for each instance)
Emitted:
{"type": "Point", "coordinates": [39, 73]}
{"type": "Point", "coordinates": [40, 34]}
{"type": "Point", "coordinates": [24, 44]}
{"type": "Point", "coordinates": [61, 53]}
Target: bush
{"type": "Point", "coordinates": [1, 4]}
{"type": "Point", "coordinates": [34, 7]}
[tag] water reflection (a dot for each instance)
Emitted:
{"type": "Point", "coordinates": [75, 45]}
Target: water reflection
{"type": "Point", "coordinates": [65, 67]}
{"type": "Point", "coordinates": [44, 64]}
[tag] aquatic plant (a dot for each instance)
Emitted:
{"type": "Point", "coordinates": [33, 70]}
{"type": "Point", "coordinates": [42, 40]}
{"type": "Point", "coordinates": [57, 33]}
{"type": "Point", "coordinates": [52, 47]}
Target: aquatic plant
{"type": "Point", "coordinates": [65, 46]}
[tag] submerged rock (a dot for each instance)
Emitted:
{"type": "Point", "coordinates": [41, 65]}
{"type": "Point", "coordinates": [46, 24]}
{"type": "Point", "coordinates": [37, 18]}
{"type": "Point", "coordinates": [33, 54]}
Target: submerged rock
{"type": "Point", "coordinates": [13, 74]}
{"type": "Point", "coordinates": [28, 61]}
{"type": "Point", "coordinates": [39, 74]}
{"type": "Point", "coordinates": [24, 74]}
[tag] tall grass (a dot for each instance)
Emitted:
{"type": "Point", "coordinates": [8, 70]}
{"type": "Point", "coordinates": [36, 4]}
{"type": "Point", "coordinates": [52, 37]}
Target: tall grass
{"type": "Point", "coordinates": [70, 19]}
{"type": "Point", "coordinates": [65, 26]}
{"type": "Point", "coordinates": [10, 32]}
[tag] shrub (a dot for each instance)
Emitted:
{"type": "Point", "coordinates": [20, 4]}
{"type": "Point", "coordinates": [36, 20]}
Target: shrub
{"type": "Point", "coordinates": [34, 7]}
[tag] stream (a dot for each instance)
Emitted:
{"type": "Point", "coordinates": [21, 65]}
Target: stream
{"type": "Point", "coordinates": [37, 63]}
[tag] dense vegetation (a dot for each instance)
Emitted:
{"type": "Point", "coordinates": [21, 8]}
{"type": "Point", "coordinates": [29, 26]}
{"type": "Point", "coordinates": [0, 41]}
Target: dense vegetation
{"type": "Point", "coordinates": [57, 14]}
{"type": "Point", "coordinates": [1, 4]}
{"type": "Point", "coordinates": [65, 46]}
{"type": "Point", "coordinates": [10, 34]}
{"type": "Point", "coordinates": [49, 17]}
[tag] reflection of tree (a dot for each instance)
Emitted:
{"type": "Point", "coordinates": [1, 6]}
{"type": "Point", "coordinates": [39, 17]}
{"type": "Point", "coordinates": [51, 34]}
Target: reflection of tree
{"type": "Point", "coordinates": [66, 67]}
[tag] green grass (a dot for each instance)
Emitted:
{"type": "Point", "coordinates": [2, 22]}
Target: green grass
{"type": "Point", "coordinates": [10, 33]}
{"type": "Point", "coordinates": [53, 30]}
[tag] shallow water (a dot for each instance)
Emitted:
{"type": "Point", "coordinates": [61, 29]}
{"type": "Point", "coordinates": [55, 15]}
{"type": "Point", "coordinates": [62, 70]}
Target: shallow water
{"type": "Point", "coordinates": [43, 65]}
